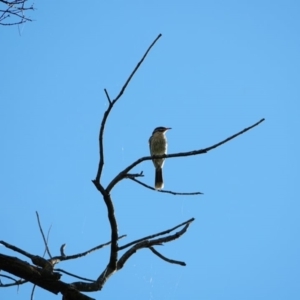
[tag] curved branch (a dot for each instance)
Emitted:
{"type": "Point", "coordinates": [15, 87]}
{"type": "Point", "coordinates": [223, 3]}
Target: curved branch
{"type": "Point", "coordinates": [164, 191]}
{"type": "Point", "coordinates": [111, 104]}
{"type": "Point", "coordinates": [138, 244]}
{"type": "Point", "coordinates": [43, 235]}
{"type": "Point", "coordinates": [16, 282]}
{"type": "Point", "coordinates": [73, 275]}
{"type": "Point", "coordinates": [148, 244]}
{"type": "Point", "coordinates": [172, 261]}
{"type": "Point", "coordinates": [156, 234]}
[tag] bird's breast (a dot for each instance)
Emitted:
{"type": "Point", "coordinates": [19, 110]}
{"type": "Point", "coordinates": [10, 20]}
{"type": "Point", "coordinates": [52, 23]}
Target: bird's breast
{"type": "Point", "coordinates": [158, 145]}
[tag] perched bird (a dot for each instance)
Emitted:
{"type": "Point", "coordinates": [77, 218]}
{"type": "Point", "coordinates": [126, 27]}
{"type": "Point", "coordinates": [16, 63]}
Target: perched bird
{"type": "Point", "coordinates": [158, 146]}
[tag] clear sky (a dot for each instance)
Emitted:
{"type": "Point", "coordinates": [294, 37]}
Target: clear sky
{"type": "Point", "coordinates": [219, 67]}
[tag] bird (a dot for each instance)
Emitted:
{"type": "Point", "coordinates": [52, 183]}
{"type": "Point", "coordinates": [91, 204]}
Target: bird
{"type": "Point", "coordinates": [158, 146]}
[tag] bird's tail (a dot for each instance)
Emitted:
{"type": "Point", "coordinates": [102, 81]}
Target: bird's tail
{"type": "Point", "coordinates": [159, 184]}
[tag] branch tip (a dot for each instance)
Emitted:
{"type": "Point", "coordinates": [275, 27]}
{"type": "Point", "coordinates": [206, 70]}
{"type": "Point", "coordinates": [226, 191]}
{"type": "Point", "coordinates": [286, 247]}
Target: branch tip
{"type": "Point", "coordinates": [107, 96]}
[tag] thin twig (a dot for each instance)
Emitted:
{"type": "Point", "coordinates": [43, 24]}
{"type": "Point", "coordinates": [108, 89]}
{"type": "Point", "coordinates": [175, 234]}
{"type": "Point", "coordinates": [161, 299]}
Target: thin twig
{"type": "Point", "coordinates": [19, 282]}
{"type": "Point", "coordinates": [64, 257]}
{"type": "Point", "coordinates": [9, 277]}
{"type": "Point", "coordinates": [32, 292]}
{"type": "Point", "coordinates": [62, 250]}
{"type": "Point", "coordinates": [73, 275]}
{"type": "Point", "coordinates": [156, 234]}
{"type": "Point", "coordinates": [108, 98]}
{"type": "Point", "coordinates": [47, 240]}
{"type": "Point", "coordinates": [165, 191]}
{"type": "Point", "coordinates": [172, 261]}
{"type": "Point", "coordinates": [43, 235]}
{"type": "Point", "coordinates": [132, 175]}
{"type": "Point", "coordinates": [137, 66]}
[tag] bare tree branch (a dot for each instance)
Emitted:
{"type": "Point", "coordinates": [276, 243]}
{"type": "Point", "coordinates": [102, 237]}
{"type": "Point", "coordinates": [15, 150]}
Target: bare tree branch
{"type": "Point", "coordinates": [149, 243]}
{"type": "Point", "coordinates": [112, 265]}
{"type": "Point", "coordinates": [134, 175]}
{"type": "Point", "coordinates": [164, 191]}
{"type": "Point", "coordinates": [48, 264]}
{"type": "Point", "coordinates": [172, 261]}
{"type": "Point", "coordinates": [62, 250]}
{"type": "Point", "coordinates": [16, 282]}
{"type": "Point", "coordinates": [43, 235]}
{"type": "Point", "coordinates": [21, 251]}
{"type": "Point", "coordinates": [73, 275]}
{"type": "Point", "coordinates": [111, 104]}
{"type": "Point", "coordinates": [138, 244]}
{"type": "Point", "coordinates": [156, 234]}
{"type": "Point", "coordinates": [123, 173]}
{"type": "Point", "coordinates": [15, 9]}
{"type": "Point", "coordinates": [45, 279]}
{"type": "Point", "coordinates": [24, 270]}
{"type": "Point", "coordinates": [107, 96]}
{"type": "Point", "coordinates": [32, 292]}
{"type": "Point", "coordinates": [75, 256]}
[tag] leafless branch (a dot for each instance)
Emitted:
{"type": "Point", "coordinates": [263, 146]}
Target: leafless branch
{"type": "Point", "coordinates": [111, 105]}
{"type": "Point", "coordinates": [62, 250]}
{"type": "Point", "coordinates": [32, 292]}
{"type": "Point", "coordinates": [47, 240]}
{"type": "Point", "coordinates": [156, 234]}
{"type": "Point", "coordinates": [137, 245]}
{"type": "Point", "coordinates": [172, 261]}
{"type": "Point", "coordinates": [69, 257]}
{"type": "Point", "coordinates": [36, 275]}
{"type": "Point", "coordinates": [131, 175]}
{"type": "Point", "coordinates": [15, 9]}
{"type": "Point", "coordinates": [73, 275]}
{"type": "Point", "coordinates": [16, 249]}
{"type": "Point", "coordinates": [43, 235]}
{"type": "Point", "coordinates": [123, 173]}
{"type": "Point", "coordinates": [48, 264]}
{"type": "Point", "coordinates": [150, 243]}
{"type": "Point", "coordinates": [17, 283]}
{"type": "Point", "coordinates": [108, 98]}
{"type": "Point", "coordinates": [112, 265]}
{"type": "Point", "coordinates": [44, 278]}
{"type": "Point", "coordinates": [164, 191]}
{"type": "Point", "coordinates": [11, 278]}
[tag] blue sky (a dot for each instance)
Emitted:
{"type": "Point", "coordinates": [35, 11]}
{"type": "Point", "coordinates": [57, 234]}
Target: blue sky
{"type": "Point", "coordinates": [219, 67]}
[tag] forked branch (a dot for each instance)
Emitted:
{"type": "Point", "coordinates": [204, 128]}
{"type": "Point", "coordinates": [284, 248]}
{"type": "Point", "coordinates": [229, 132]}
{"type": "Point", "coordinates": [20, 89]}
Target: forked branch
{"type": "Point", "coordinates": [123, 174]}
{"type": "Point", "coordinates": [146, 243]}
{"type": "Point", "coordinates": [111, 103]}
